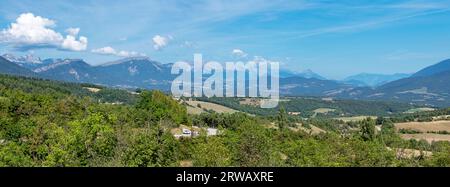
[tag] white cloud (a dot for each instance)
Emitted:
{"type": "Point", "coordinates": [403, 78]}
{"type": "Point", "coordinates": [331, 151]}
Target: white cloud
{"type": "Point", "coordinates": [30, 31]}
{"type": "Point", "coordinates": [111, 51]}
{"type": "Point", "coordinates": [238, 53]}
{"type": "Point", "coordinates": [71, 43]}
{"type": "Point", "coordinates": [73, 31]}
{"type": "Point", "coordinates": [105, 51]}
{"type": "Point", "coordinates": [127, 53]}
{"type": "Point", "coordinates": [159, 42]}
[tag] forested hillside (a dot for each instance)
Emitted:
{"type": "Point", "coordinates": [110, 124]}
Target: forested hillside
{"type": "Point", "coordinates": [48, 123]}
{"type": "Point", "coordinates": [306, 106]}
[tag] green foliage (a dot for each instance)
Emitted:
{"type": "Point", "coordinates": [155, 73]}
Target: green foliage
{"type": "Point", "coordinates": [12, 154]}
{"type": "Point", "coordinates": [282, 118]}
{"type": "Point", "coordinates": [441, 156]}
{"type": "Point", "coordinates": [49, 123]}
{"type": "Point", "coordinates": [408, 131]}
{"type": "Point", "coordinates": [150, 147]}
{"type": "Point", "coordinates": [307, 105]}
{"type": "Point", "coordinates": [368, 129]}
{"type": "Point", "coordinates": [211, 153]}
{"type": "Point", "coordinates": [419, 116]}
{"type": "Point", "coordinates": [253, 146]}
{"type": "Point", "coordinates": [92, 137]}
{"type": "Point", "coordinates": [162, 106]}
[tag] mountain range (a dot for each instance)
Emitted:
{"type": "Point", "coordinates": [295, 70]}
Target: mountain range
{"type": "Point", "coordinates": [428, 86]}
{"type": "Point", "coordinates": [136, 72]}
{"type": "Point", "coordinates": [305, 74]}
{"type": "Point", "coordinates": [11, 68]}
{"type": "Point", "coordinates": [373, 80]}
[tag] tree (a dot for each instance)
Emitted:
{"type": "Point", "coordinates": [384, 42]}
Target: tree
{"type": "Point", "coordinates": [282, 118]}
{"type": "Point", "coordinates": [253, 146]}
{"type": "Point", "coordinates": [92, 137]}
{"type": "Point", "coordinates": [162, 107]}
{"type": "Point", "coordinates": [14, 155]}
{"type": "Point", "coordinates": [150, 147]}
{"type": "Point", "coordinates": [212, 153]}
{"type": "Point", "coordinates": [368, 129]}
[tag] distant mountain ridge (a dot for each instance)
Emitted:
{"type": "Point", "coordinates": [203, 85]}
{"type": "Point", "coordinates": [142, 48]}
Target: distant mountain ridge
{"type": "Point", "coordinates": [27, 59]}
{"type": "Point", "coordinates": [373, 80]}
{"type": "Point", "coordinates": [133, 72]}
{"type": "Point", "coordinates": [429, 86]}
{"type": "Point", "coordinates": [305, 74]}
{"type": "Point", "coordinates": [310, 86]}
{"type": "Point", "coordinates": [11, 68]}
{"type": "Point", "coordinates": [440, 67]}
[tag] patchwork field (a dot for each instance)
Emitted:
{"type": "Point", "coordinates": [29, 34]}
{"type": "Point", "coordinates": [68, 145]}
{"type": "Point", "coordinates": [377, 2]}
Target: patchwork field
{"type": "Point", "coordinates": [250, 101]}
{"type": "Point", "coordinates": [95, 90]}
{"type": "Point", "coordinates": [197, 107]}
{"type": "Point", "coordinates": [355, 118]}
{"type": "Point", "coordinates": [429, 137]}
{"type": "Point", "coordinates": [194, 110]}
{"type": "Point", "coordinates": [414, 110]}
{"type": "Point", "coordinates": [312, 130]}
{"type": "Point", "coordinates": [425, 127]}
{"type": "Point", "coordinates": [324, 110]}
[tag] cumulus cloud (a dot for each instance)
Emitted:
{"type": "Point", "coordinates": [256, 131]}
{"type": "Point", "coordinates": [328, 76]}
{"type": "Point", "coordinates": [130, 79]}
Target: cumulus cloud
{"type": "Point", "coordinates": [159, 42]}
{"type": "Point", "coordinates": [30, 31]}
{"type": "Point", "coordinates": [73, 31]}
{"type": "Point", "coordinates": [71, 43]}
{"type": "Point", "coordinates": [111, 51]}
{"type": "Point", "coordinates": [238, 53]}
{"type": "Point", "coordinates": [105, 51]}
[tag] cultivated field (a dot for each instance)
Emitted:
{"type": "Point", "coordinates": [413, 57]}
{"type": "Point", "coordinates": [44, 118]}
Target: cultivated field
{"type": "Point", "coordinates": [312, 130]}
{"type": "Point", "coordinates": [95, 90]}
{"type": "Point", "coordinates": [414, 110]}
{"type": "Point", "coordinates": [323, 110]}
{"type": "Point", "coordinates": [424, 127]}
{"type": "Point", "coordinates": [250, 101]}
{"type": "Point", "coordinates": [194, 110]}
{"type": "Point", "coordinates": [355, 118]}
{"type": "Point", "coordinates": [429, 131]}
{"type": "Point", "coordinates": [429, 137]}
{"type": "Point", "coordinates": [196, 107]}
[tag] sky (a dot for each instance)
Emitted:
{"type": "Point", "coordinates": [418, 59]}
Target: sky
{"type": "Point", "coordinates": [334, 39]}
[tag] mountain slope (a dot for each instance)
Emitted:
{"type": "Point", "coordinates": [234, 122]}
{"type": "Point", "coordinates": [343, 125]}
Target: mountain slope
{"type": "Point", "coordinates": [7, 67]}
{"type": "Point", "coordinates": [305, 74]}
{"type": "Point", "coordinates": [433, 90]}
{"type": "Point", "coordinates": [73, 70]}
{"type": "Point", "coordinates": [440, 67]}
{"type": "Point", "coordinates": [429, 86]}
{"type": "Point", "coordinates": [136, 72]}
{"type": "Point", "coordinates": [373, 80]}
{"type": "Point", "coordinates": [310, 87]}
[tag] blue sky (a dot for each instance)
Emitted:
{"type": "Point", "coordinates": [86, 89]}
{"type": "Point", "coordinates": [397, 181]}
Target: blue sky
{"type": "Point", "coordinates": [334, 39]}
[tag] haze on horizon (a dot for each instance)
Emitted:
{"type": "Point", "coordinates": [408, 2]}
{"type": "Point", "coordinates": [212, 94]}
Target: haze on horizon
{"type": "Point", "coordinates": [334, 39]}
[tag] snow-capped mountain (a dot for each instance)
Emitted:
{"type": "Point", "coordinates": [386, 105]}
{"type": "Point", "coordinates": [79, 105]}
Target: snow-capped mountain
{"type": "Point", "coordinates": [27, 59]}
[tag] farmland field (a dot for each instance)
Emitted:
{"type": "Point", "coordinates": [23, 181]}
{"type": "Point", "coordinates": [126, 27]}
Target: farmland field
{"type": "Point", "coordinates": [429, 137]}
{"type": "Point", "coordinates": [424, 127]}
{"type": "Point", "coordinates": [429, 131]}
{"type": "Point", "coordinates": [324, 110]}
{"type": "Point", "coordinates": [355, 118]}
{"type": "Point", "coordinates": [196, 107]}
{"type": "Point", "coordinates": [414, 110]}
